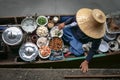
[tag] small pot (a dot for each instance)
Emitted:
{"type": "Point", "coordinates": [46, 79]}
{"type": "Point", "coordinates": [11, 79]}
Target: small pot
{"type": "Point", "coordinates": [12, 36]}
{"type": "Point", "coordinates": [114, 46]}
{"type": "Point", "coordinates": [118, 39]}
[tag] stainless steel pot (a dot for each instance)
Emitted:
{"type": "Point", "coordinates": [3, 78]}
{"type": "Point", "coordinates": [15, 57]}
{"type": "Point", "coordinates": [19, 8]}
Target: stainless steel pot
{"type": "Point", "coordinates": [118, 39]}
{"type": "Point", "coordinates": [29, 24]}
{"type": "Point", "coordinates": [12, 36]}
{"type": "Point", "coordinates": [109, 37]}
{"type": "Point", "coordinates": [114, 46]}
{"type": "Point", "coordinates": [28, 51]}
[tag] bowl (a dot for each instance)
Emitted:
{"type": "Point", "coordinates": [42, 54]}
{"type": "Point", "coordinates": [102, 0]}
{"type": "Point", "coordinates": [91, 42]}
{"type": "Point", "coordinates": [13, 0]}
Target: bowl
{"type": "Point", "coordinates": [42, 31]}
{"type": "Point", "coordinates": [42, 20]}
{"type": "Point", "coordinates": [45, 52]}
{"type": "Point", "coordinates": [56, 43]}
{"type": "Point", "coordinates": [104, 47]}
{"type": "Point", "coordinates": [50, 24]}
{"type": "Point", "coordinates": [55, 32]}
{"type": "Point", "coordinates": [42, 41]}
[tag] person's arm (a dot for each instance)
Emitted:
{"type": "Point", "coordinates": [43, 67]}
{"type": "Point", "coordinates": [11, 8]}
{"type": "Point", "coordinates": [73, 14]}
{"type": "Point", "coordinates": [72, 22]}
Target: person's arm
{"type": "Point", "coordinates": [68, 21]}
{"type": "Point", "coordinates": [93, 49]}
{"type": "Point", "coordinates": [84, 64]}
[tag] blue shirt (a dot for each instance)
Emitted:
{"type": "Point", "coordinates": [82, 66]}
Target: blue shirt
{"type": "Point", "coordinates": [83, 38]}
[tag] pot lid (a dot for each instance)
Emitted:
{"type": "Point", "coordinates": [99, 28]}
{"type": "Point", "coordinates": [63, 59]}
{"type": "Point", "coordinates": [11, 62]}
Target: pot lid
{"type": "Point", "coordinates": [28, 24]}
{"type": "Point", "coordinates": [28, 51]}
{"type": "Point", "coordinates": [12, 36]}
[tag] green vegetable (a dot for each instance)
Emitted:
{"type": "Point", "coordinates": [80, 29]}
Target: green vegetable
{"type": "Point", "coordinates": [57, 32]}
{"type": "Point", "coordinates": [42, 21]}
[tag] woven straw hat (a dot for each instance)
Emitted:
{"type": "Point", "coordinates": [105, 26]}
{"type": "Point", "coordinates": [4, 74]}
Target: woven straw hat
{"type": "Point", "coordinates": [91, 22]}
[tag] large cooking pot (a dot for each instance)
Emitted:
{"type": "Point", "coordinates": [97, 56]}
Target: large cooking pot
{"type": "Point", "coordinates": [12, 36]}
{"type": "Point", "coordinates": [28, 51]}
{"type": "Point", "coordinates": [29, 24]}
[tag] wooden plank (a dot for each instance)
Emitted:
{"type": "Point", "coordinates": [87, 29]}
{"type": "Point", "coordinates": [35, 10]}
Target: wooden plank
{"type": "Point", "coordinates": [57, 74]}
{"type": "Point", "coordinates": [92, 76]}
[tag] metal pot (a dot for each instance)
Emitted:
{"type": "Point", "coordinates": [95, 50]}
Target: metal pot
{"type": "Point", "coordinates": [114, 46]}
{"type": "Point", "coordinates": [29, 24]}
{"type": "Point", "coordinates": [12, 36]}
{"type": "Point", "coordinates": [109, 37]}
{"type": "Point", "coordinates": [28, 51]}
{"type": "Point", "coordinates": [118, 39]}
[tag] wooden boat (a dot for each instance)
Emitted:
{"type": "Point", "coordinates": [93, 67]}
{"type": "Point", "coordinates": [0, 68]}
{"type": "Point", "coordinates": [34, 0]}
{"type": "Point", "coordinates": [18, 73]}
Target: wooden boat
{"type": "Point", "coordinates": [10, 57]}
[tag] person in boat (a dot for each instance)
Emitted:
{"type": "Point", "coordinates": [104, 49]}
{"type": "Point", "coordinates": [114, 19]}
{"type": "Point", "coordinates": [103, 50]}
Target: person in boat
{"type": "Point", "coordinates": [87, 26]}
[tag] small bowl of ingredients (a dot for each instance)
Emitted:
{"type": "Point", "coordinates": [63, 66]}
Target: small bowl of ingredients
{"type": "Point", "coordinates": [42, 41]}
{"type": "Point", "coordinates": [56, 43]}
{"type": "Point", "coordinates": [55, 32]}
{"type": "Point", "coordinates": [42, 31]}
{"type": "Point", "coordinates": [42, 20]}
{"type": "Point", "coordinates": [45, 52]}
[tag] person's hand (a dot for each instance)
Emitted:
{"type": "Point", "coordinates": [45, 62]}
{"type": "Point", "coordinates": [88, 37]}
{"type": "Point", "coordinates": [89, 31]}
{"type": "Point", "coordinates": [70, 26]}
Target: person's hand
{"type": "Point", "coordinates": [61, 26]}
{"type": "Point", "coordinates": [84, 66]}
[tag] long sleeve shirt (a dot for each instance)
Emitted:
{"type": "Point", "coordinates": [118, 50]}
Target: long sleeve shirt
{"type": "Point", "coordinates": [83, 38]}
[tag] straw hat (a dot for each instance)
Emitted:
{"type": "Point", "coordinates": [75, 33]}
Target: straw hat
{"type": "Point", "coordinates": [91, 22]}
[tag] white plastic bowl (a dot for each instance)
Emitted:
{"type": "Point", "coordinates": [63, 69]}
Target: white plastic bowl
{"type": "Point", "coordinates": [104, 47]}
